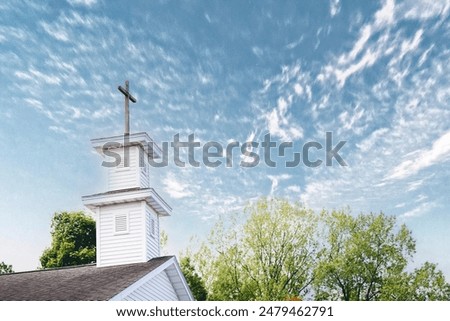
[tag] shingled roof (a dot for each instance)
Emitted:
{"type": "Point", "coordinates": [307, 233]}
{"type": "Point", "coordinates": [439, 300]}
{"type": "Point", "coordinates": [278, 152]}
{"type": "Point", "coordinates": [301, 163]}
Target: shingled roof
{"type": "Point", "coordinates": [77, 283]}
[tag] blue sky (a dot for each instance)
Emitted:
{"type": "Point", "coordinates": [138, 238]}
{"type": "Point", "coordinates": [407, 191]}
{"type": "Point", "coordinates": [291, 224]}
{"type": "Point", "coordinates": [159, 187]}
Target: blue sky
{"type": "Point", "coordinates": [376, 74]}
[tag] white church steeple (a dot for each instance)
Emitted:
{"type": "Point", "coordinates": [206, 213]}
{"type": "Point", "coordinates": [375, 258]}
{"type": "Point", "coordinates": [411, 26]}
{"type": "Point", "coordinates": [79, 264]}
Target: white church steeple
{"type": "Point", "coordinates": [128, 213]}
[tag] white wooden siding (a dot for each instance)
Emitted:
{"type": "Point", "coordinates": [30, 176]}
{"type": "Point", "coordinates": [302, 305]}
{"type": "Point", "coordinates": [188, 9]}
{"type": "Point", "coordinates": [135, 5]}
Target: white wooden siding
{"type": "Point", "coordinates": [134, 175]}
{"type": "Point", "coordinates": [159, 288]}
{"type": "Point", "coordinates": [121, 177]}
{"type": "Point", "coordinates": [153, 248]}
{"type": "Point", "coordinates": [121, 248]}
{"type": "Point", "coordinates": [137, 244]}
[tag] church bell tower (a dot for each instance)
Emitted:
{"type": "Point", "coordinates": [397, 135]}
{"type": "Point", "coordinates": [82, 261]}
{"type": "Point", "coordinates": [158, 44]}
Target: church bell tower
{"type": "Point", "coordinates": [127, 214]}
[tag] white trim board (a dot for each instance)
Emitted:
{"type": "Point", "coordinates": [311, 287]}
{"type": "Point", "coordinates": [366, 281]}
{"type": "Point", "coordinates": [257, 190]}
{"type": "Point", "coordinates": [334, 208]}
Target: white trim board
{"type": "Point", "coordinates": [168, 265]}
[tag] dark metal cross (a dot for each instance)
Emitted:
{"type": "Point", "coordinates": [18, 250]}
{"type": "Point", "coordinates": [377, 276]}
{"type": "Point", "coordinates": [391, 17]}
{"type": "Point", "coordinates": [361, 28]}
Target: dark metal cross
{"type": "Point", "coordinates": [128, 97]}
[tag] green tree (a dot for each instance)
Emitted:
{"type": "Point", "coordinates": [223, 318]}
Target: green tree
{"type": "Point", "coordinates": [426, 283]}
{"type": "Point", "coordinates": [285, 251]}
{"type": "Point", "coordinates": [194, 281]}
{"type": "Point", "coordinates": [270, 257]}
{"type": "Point", "coordinates": [5, 268]}
{"type": "Point", "coordinates": [361, 254]}
{"type": "Point", "coordinates": [73, 240]}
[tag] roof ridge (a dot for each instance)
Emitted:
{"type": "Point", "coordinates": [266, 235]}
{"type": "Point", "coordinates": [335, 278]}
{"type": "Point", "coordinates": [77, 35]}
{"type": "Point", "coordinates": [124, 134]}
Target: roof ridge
{"type": "Point", "coordinates": [51, 269]}
{"type": "Point", "coordinates": [80, 266]}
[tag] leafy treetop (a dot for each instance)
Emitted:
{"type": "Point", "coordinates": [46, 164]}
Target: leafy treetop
{"type": "Point", "coordinates": [73, 240]}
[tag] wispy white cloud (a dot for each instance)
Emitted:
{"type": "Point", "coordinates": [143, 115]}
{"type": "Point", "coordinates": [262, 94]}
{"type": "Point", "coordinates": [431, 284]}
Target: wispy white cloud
{"type": "Point", "coordinates": [421, 198]}
{"type": "Point", "coordinates": [250, 138]}
{"type": "Point", "coordinates": [367, 60]}
{"type": "Point", "coordinates": [39, 106]}
{"type": "Point", "coordinates": [257, 51]}
{"type": "Point", "coordinates": [420, 210]}
{"type": "Point", "coordinates": [89, 21]}
{"type": "Point", "coordinates": [294, 188]}
{"type": "Point", "coordinates": [400, 205]}
{"type": "Point", "coordinates": [288, 88]}
{"type": "Point", "coordinates": [320, 193]}
{"type": "Point", "coordinates": [359, 45]}
{"type": "Point", "coordinates": [103, 112]}
{"type": "Point", "coordinates": [421, 159]}
{"type": "Point", "coordinates": [59, 129]}
{"type": "Point", "coordinates": [76, 113]}
{"type": "Point", "coordinates": [23, 75]}
{"type": "Point", "coordinates": [279, 123]}
{"type": "Point", "coordinates": [366, 144]}
{"type": "Point", "coordinates": [423, 9]}
{"type": "Point", "coordinates": [294, 44]}
{"type": "Point", "coordinates": [35, 103]}
{"type": "Point", "coordinates": [8, 33]}
{"type": "Point", "coordinates": [401, 112]}
{"type": "Point", "coordinates": [412, 186]}
{"type": "Point", "coordinates": [276, 180]}
{"type": "Point", "coordinates": [298, 89]}
{"type": "Point", "coordinates": [385, 16]}
{"type": "Point", "coordinates": [353, 120]}
{"type": "Point", "coordinates": [335, 7]}
{"type": "Point", "coordinates": [59, 63]}
{"type": "Point", "coordinates": [38, 76]}
{"type": "Point", "coordinates": [424, 56]}
{"type": "Point", "coordinates": [408, 46]}
{"type": "Point", "coordinates": [362, 55]}
{"type": "Point", "coordinates": [86, 3]}
{"type": "Point", "coordinates": [57, 33]}
{"type": "Point", "coordinates": [175, 188]}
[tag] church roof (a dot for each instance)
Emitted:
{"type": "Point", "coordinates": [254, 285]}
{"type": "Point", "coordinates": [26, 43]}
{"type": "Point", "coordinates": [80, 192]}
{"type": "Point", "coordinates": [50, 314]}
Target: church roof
{"type": "Point", "coordinates": [76, 283]}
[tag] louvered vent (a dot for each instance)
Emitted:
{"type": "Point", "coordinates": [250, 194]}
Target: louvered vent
{"type": "Point", "coordinates": [121, 223]}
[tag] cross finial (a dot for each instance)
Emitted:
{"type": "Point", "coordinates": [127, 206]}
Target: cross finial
{"type": "Point", "coordinates": [128, 97]}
